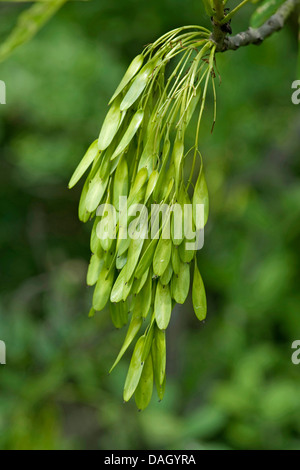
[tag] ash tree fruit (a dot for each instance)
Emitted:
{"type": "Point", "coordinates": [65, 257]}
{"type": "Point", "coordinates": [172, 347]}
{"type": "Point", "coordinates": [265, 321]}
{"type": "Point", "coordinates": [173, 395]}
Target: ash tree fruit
{"type": "Point", "coordinates": [140, 155]}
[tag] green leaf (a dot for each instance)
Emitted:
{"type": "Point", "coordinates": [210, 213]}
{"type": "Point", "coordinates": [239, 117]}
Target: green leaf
{"type": "Point", "coordinates": [266, 9]}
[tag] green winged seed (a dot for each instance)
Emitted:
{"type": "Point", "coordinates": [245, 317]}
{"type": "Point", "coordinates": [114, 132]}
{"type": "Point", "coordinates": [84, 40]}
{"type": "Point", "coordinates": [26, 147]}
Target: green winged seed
{"type": "Point", "coordinates": [134, 252]}
{"type": "Point", "coordinates": [95, 192]}
{"type": "Point", "coordinates": [175, 258]}
{"type": "Point", "coordinates": [102, 290]}
{"type": "Point", "coordinates": [121, 260]}
{"type": "Point", "coordinates": [120, 188]}
{"type": "Point", "coordinates": [92, 313]}
{"type": "Point", "coordinates": [83, 213]}
{"type": "Point", "coordinates": [191, 109]}
{"type": "Point", "coordinates": [148, 155]}
{"type": "Point", "coordinates": [144, 390]}
{"type": "Point", "coordinates": [161, 389]}
{"type": "Point", "coordinates": [132, 70]}
{"type": "Point", "coordinates": [130, 133]}
{"type": "Point", "coordinates": [119, 313]}
{"type": "Point", "coordinates": [87, 160]}
{"type": "Point", "coordinates": [138, 184]}
{"type": "Point", "coordinates": [127, 288]}
{"type": "Point", "coordinates": [133, 329]}
{"type": "Point", "coordinates": [149, 333]}
{"type": "Point", "coordinates": [94, 269]}
{"type": "Point", "coordinates": [136, 305]}
{"type": "Point", "coordinates": [139, 283]}
{"type": "Point", "coordinates": [181, 284]}
{"type": "Point", "coordinates": [95, 244]}
{"type": "Point", "coordinates": [162, 174]}
{"type": "Point", "coordinates": [186, 256]}
{"type": "Point", "coordinates": [118, 287]}
{"type": "Point", "coordinates": [162, 256]}
{"type": "Point", "coordinates": [151, 185]}
{"type": "Point", "coordinates": [159, 356]}
{"type": "Point", "coordinates": [150, 152]}
{"type": "Point", "coordinates": [167, 275]}
{"type": "Point", "coordinates": [135, 370]}
{"type": "Point", "coordinates": [111, 125]}
{"type": "Point", "coordinates": [105, 166]}
{"type": "Point", "coordinates": [200, 197]}
{"type": "Point", "coordinates": [162, 306]}
{"type": "Point", "coordinates": [168, 189]}
{"type": "Point", "coordinates": [177, 155]}
{"type": "Point", "coordinates": [198, 295]}
{"type": "Point", "coordinates": [146, 257]}
{"type": "Point", "coordinates": [123, 241]}
{"type": "Point", "coordinates": [110, 256]}
{"type": "Point", "coordinates": [177, 221]}
{"type": "Point", "coordinates": [106, 227]}
{"type": "Point", "coordinates": [146, 295]}
{"type": "Point", "coordinates": [138, 84]}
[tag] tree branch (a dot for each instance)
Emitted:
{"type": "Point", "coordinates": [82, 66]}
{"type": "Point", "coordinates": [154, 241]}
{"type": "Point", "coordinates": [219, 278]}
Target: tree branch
{"type": "Point", "coordinates": [258, 35]}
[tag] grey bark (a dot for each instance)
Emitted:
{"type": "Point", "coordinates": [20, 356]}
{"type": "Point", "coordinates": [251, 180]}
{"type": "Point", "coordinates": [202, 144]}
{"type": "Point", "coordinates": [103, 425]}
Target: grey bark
{"type": "Point", "coordinates": [258, 35]}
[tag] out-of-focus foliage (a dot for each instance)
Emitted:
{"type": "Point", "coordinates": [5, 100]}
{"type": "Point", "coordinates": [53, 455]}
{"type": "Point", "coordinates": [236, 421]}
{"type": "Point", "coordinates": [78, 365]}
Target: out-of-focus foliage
{"type": "Point", "coordinates": [231, 380]}
{"type": "Point", "coordinates": [29, 23]}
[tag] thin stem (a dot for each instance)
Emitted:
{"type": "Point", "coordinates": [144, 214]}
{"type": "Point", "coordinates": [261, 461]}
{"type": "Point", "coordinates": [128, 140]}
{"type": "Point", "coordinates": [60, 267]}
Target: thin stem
{"type": "Point", "coordinates": [233, 12]}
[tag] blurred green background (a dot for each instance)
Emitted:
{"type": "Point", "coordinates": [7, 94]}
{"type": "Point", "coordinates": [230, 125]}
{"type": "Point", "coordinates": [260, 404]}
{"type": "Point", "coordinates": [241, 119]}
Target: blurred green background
{"type": "Point", "coordinates": [230, 381]}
